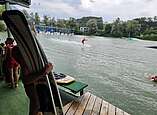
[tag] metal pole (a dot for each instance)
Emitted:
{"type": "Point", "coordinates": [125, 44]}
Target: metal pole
{"type": "Point", "coordinates": [52, 99]}
{"type": "Point", "coordinates": [7, 8]}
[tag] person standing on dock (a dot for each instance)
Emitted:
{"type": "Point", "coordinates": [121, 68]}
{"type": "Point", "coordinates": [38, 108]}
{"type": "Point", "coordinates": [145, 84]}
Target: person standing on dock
{"type": "Point", "coordinates": [31, 81]}
{"type": "Point", "coordinates": [11, 65]}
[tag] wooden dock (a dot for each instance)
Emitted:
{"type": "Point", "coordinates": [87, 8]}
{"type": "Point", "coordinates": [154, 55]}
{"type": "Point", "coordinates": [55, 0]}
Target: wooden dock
{"type": "Point", "coordinates": [89, 104]}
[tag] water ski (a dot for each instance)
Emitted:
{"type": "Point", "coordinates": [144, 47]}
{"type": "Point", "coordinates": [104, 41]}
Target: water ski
{"type": "Point", "coordinates": [32, 53]}
{"type": "Point", "coordinates": [63, 79]}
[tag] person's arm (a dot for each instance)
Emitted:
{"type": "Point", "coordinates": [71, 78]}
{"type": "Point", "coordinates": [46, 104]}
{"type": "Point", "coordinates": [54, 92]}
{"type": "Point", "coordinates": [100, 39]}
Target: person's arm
{"type": "Point", "coordinates": [28, 77]}
{"type": "Point", "coordinates": [32, 78]}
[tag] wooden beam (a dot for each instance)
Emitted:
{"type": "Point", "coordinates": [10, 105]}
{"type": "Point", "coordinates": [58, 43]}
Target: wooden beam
{"type": "Point", "coordinates": [90, 105]}
{"type": "Point", "coordinates": [83, 104]}
{"type": "Point", "coordinates": [74, 106]}
{"type": "Point", "coordinates": [111, 110]}
{"type": "Point", "coordinates": [119, 111]}
{"type": "Point", "coordinates": [104, 108]}
{"type": "Point", "coordinates": [66, 107]}
{"type": "Point", "coordinates": [97, 106]}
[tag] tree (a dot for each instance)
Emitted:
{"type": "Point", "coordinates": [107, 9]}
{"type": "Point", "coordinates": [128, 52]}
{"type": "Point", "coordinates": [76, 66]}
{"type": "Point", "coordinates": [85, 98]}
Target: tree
{"type": "Point", "coordinates": [52, 22]}
{"type": "Point", "coordinates": [116, 28]}
{"type": "Point", "coordinates": [46, 20]}
{"type": "Point", "coordinates": [61, 23]}
{"type": "Point", "coordinates": [2, 8]}
{"type": "Point", "coordinates": [100, 23]}
{"type": "Point", "coordinates": [71, 23]}
{"type": "Point", "coordinates": [107, 28]}
{"type": "Point", "coordinates": [37, 18]}
{"type": "Point", "coordinates": [124, 29]}
{"type": "Point", "coordinates": [92, 25]}
{"type": "Point", "coordinates": [2, 25]}
{"type": "Point", "coordinates": [149, 19]}
{"type": "Point", "coordinates": [155, 18]}
{"type": "Point", "coordinates": [143, 23]}
{"type": "Point", "coordinates": [133, 28]}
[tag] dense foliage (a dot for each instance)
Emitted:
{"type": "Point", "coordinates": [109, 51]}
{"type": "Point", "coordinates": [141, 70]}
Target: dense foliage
{"type": "Point", "coordinates": [2, 25]}
{"type": "Point", "coordinates": [143, 28]}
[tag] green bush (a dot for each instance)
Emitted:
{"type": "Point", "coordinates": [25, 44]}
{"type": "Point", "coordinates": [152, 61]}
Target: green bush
{"type": "Point", "coordinates": [150, 37]}
{"type": "Point", "coordinates": [2, 26]}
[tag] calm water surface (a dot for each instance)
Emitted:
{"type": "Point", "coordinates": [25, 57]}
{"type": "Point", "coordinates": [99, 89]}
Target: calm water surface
{"type": "Point", "coordinates": [116, 70]}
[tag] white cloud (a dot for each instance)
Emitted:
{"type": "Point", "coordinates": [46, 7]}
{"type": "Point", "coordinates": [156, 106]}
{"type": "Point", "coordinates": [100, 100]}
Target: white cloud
{"type": "Point", "coordinates": [109, 9]}
{"type": "Point", "coordinates": [121, 8]}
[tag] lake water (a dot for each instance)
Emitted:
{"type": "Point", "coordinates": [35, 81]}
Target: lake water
{"type": "Point", "coordinates": [115, 69]}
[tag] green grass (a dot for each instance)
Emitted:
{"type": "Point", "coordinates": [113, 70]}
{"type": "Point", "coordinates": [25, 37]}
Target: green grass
{"type": "Point", "coordinates": [13, 101]}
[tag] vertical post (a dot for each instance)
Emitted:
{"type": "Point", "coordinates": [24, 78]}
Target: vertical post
{"type": "Point", "coordinates": [7, 8]}
{"type": "Point", "coordinates": [81, 92]}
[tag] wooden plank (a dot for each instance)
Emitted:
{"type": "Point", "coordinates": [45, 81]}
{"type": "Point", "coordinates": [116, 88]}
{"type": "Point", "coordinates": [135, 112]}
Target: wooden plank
{"type": "Point", "coordinates": [83, 104]}
{"type": "Point", "coordinates": [111, 110]}
{"type": "Point", "coordinates": [97, 106]}
{"type": "Point", "coordinates": [66, 107]}
{"type": "Point", "coordinates": [74, 106]}
{"type": "Point", "coordinates": [119, 111]}
{"type": "Point", "coordinates": [104, 108]}
{"type": "Point", "coordinates": [90, 105]}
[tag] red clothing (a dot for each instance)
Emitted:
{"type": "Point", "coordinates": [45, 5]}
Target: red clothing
{"type": "Point", "coordinates": [10, 61]}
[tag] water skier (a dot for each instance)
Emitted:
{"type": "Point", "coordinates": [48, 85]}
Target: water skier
{"type": "Point", "coordinates": [83, 41]}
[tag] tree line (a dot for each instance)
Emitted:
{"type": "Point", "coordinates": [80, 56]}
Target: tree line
{"type": "Point", "coordinates": [143, 27]}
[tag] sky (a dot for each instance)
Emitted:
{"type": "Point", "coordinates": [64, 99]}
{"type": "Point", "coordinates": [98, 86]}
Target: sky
{"type": "Point", "coordinates": [108, 9]}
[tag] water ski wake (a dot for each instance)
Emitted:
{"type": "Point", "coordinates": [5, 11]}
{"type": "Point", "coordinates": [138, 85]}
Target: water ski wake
{"type": "Point", "coordinates": [71, 42]}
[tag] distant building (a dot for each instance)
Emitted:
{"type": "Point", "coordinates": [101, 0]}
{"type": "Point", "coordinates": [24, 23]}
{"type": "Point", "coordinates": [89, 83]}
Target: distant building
{"type": "Point", "coordinates": [84, 29]}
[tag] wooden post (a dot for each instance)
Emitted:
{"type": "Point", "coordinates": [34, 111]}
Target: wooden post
{"type": "Point", "coordinates": [81, 92]}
